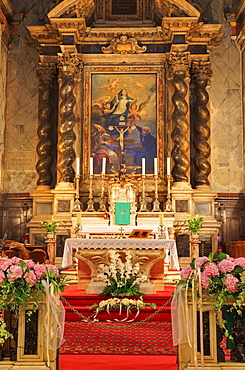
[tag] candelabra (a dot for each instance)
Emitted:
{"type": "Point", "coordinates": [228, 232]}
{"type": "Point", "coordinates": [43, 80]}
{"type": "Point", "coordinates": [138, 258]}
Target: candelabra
{"type": "Point", "coordinates": [90, 204]}
{"type": "Point", "coordinates": [77, 203]}
{"type": "Point", "coordinates": [102, 207]}
{"type": "Point", "coordinates": [168, 204]}
{"type": "Point", "coordinates": [143, 204]}
{"type": "Point", "coordinates": [156, 202]}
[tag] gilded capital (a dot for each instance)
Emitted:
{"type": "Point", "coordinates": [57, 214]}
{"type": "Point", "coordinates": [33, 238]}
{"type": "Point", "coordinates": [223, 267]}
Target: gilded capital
{"type": "Point", "coordinates": [69, 62]}
{"type": "Point", "coordinates": [178, 62]}
{"type": "Point", "coordinates": [46, 71]}
{"type": "Point", "coordinates": [201, 70]}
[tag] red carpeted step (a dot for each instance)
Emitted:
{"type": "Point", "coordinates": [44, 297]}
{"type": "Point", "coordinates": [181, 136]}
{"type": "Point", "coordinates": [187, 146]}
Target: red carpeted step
{"type": "Point", "coordinates": [80, 301]}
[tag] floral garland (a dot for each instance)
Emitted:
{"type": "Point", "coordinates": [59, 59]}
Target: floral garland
{"type": "Point", "coordinates": [120, 304]}
{"type": "Point", "coordinates": [220, 280]}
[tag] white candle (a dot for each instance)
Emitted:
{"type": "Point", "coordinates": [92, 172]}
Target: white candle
{"type": "Point", "coordinates": [103, 165]}
{"type": "Point", "coordinates": [161, 219]}
{"type": "Point", "coordinates": [155, 167]}
{"type": "Point", "coordinates": [143, 166]}
{"type": "Point", "coordinates": [77, 166]}
{"type": "Point", "coordinates": [168, 166]}
{"type": "Point", "coordinates": [79, 219]}
{"type": "Point", "coordinates": [91, 166]}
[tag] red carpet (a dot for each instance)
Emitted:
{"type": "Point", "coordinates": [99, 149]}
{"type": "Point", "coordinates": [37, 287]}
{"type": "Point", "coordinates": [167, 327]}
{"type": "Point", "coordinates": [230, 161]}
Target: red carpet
{"type": "Point", "coordinates": [116, 362]}
{"type": "Point", "coordinates": [81, 301]}
{"type": "Point", "coordinates": [149, 338]}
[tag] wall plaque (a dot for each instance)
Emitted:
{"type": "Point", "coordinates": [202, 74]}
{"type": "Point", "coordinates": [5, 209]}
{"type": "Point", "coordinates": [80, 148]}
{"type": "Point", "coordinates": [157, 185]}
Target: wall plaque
{"type": "Point", "coordinates": [182, 205]}
{"type": "Point", "coordinates": [44, 208]}
{"type": "Point", "coordinates": [203, 208]}
{"type": "Point", "coordinates": [63, 205]}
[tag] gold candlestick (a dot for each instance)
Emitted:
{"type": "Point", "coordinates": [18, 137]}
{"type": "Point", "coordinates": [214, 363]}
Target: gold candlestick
{"type": "Point", "coordinates": [102, 207]}
{"type": "Point", "coordinates": [90, 204]}
{"type": "Point", "coordinates": [77, 203]}
{"type": "Point", "coordinates": [168, 204]}
{"type": "Point", "coordinates": [143, 204]}
{"type": "Point", "coordinates": [156, 202]}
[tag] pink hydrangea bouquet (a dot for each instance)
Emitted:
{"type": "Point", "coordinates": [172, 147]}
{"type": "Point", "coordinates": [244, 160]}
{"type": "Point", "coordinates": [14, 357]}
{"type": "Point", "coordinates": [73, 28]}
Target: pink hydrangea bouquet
{"type": "Point", "coordinates": [221, 280]}
{"type": "Point", "coordinates": [23, 281]}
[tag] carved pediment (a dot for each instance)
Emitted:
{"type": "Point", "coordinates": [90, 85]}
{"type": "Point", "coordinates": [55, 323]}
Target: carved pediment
{"type": "Point", "coordinates": [124, 45]}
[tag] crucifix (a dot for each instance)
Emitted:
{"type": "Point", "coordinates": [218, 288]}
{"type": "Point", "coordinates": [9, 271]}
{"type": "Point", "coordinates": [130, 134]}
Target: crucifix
{"type": "Point", "coordinates": [121, 129]}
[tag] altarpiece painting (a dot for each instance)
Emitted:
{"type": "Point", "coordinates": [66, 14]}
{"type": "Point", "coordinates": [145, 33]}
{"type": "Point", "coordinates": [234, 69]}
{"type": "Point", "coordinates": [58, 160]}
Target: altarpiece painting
{"type": "Point", "coordinates": [129, 101]}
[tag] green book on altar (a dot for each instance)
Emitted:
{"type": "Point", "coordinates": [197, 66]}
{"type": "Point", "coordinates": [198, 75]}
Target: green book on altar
{"type": "Point", "coordinates": [122, 213]}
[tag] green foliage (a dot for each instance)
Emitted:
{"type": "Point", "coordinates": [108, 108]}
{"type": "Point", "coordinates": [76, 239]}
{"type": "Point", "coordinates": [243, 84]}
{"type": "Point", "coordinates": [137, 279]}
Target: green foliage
{"type": "Point", "coordinates": [50, 227]}
{"type": "Point", "coordinates": [194, 224]}
{"type": "Point", "coordinates": [127, 287]}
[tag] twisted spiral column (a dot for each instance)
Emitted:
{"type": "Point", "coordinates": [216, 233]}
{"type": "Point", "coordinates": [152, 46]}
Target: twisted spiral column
{"type": "Point", "coordinates": [68, 68]}
{"type": "Point", "coordinates": [201, 74]}
{"type": "Point", "coordinates": [47, 74]}
{"type": "Point", "coordinates": [178, 64]}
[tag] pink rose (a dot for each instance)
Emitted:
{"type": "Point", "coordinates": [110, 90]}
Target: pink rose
{"type": "Point", "coordinates": [15, 260]}
{"type": "Point", "coordinates": [231, 283]}
{"type": "Point", "coordinates": [201, 261]}
{"type": "Point", "coordinates": [240, 262]}
{"type": "Point", "coordinates": [226, 266]}
{"type": "Point", "coordinates": [29, 263]}
{"type": "Point", "coordinates": [205, 281]}
{"type": "Point", "coordinates": [2, 277]}
{"type": "Point", "coordinates": [39, 271]}
{"type": "Point", "coordinates": [211, 270]}
{"type": "Point", "coordinates": [5, 263]}
{"type": "Point", "coordinates": [14, 273]}
{"type": "Point", "coordinates": [186, 272]}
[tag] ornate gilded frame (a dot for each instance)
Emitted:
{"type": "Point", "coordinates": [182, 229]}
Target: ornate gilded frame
{"type": "Point", "coordinates": [89, 71]}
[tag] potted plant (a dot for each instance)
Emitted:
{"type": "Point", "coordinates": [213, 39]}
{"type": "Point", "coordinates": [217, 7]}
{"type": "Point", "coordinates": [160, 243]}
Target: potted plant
{"type": "Point", "coordinates": [50, 227]}
{"type": "Point", "coordinates": [194, 224]}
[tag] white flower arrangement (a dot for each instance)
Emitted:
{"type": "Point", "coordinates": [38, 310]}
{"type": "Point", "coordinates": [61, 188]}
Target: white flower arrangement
{"type": "Point", "coordinates": [120, 304]}
{"type": "Point", "coordinates": [121, 277]}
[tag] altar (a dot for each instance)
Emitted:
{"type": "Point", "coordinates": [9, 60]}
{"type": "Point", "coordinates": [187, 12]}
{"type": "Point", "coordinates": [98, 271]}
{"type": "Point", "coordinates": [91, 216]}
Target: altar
{"type": "Point", "coordinates": [150, 253]}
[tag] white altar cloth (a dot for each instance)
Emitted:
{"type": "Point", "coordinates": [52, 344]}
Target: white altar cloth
{"type": "Point", "coordinates": [115, 229]}
{"type": "Point", "coordinates": [169, 246]}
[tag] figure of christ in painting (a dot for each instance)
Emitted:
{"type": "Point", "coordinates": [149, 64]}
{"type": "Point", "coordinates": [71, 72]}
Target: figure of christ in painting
{"type": "Point", "coordinates": [102, 147]}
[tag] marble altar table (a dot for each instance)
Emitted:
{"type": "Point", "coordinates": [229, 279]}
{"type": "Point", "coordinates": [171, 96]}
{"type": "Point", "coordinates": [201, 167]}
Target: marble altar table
{"type": "Point", "coordinates": [91, 252]}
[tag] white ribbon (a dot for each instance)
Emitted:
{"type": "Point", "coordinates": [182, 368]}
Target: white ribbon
{"type": "Point", "coordinates": [54, 318]}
